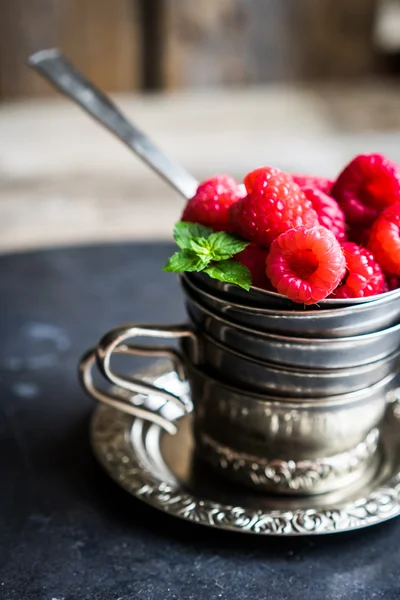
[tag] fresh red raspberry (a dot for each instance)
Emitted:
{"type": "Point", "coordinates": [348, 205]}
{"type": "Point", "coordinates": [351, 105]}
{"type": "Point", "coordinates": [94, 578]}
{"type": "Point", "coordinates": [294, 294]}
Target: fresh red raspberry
{"type": "Point", "coordinates": [384, 240]}
{"type": "Point", "coordinates": [359, 235]}
{"type": "Point", "coordinates": [392, 283]}
{"type": "Point", "coordinates": [210, 205]}
{"type": "Point", "coordinates": [364, 276]}
{"type": "Point", "coordinates": [253, 257]}
{"type": "Point", "coordinates": [235, 215]}
{"type": "Point", "coordinates": [273, 205]}
{"type": "Point", "coordinates": [306, 264]}
{"type": "Point", "coordinates": [364, 188]}
{"type": "Point", "coordinates": [319, 183]}
{"type": "Point", "coordinates": [330, 215]}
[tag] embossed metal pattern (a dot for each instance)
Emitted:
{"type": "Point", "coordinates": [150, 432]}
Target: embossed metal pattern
{"type": "Point", "coordinates": [120, 444]}
{"type": "Point", "coordinates": [282, 475]}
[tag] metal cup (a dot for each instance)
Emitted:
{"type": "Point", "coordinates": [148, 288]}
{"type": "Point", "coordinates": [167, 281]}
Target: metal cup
{"type": "Point", "coordinates": [340, 322]}
{"type": "Point", "coordinates": [295, 352]}
{"type": "Point", "coordinates": [276, 443]}
{"type": "Point", "coordinates": [250, 374]}
{"type": "Point", "coordinates": [289, 445]}
{"type": "Point", "coordinates": [260, 298]}
{"type": "Point", "coordinates": [288, 401]}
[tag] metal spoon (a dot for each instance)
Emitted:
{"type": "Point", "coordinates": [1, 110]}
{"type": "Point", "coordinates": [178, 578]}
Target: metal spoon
{"type": "Point", "coordinates": [54, 67]}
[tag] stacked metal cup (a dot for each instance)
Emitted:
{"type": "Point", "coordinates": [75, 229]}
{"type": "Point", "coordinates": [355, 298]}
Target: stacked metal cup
{"type": "Point", "coordinates": [289, 399]}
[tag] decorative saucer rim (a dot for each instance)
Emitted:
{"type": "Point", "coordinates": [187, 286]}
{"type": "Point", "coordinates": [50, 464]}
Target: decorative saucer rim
{"type": "Point", "coordinates": [131, 465]}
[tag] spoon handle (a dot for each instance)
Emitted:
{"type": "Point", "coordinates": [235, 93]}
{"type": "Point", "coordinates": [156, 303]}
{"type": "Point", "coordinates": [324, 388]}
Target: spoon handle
{"type": "Point", "coordinates": [53, 66]}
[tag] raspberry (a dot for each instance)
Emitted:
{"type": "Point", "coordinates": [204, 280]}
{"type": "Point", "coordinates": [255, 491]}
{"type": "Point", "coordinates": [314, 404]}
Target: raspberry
{"type": "Point", "coordinates": [253, 257]}
{"type": "Point", "coordinates": [235, 214]}
{"type": "Point", "coordinates": [366, 186]}
{"type": "Point", "coordinates": [273, 205]}
{"type": "Point", "coordinates": [210, 205]}
{"type": "Point", "coordinates": [359, 235]}
{"type": "Point", "coordinates": [364, 276]}
{"type": "Point", "coordinates": [318, 183]}
{"type": "Point", "coordinates": [330, 215]}
{"type": "Point", "coordinates": [306, 264]}
{"type": "Point", "coordinates": [392, 283]}
{"type": "Point", "coordinates": [384, 240]}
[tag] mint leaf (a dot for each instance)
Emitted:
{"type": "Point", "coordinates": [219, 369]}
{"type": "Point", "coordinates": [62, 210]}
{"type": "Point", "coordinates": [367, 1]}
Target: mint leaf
{"type": "Point", "coordinates": [204, 250]}
{"type": "Point", "coordinates": [184, 232]}
{"type": "Point", "coordinates": [200, 245]}
{"type": "Point", "coordinates": [230, 271]}
{"type": "Point", "coordinates": [186, 260]}
{"type": "Point", "coordinates": [224, 245]}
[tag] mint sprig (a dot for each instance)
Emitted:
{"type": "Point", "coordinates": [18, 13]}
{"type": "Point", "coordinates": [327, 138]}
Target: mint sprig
{"type": "Point", "coordinates": [186, 260]}
{"type": "Point", "coordinates": [224, 245]}
{"type": "Point", "coordinates": [204, 250]}
{"type": "Point", "coordinates": [184, 233]}
{"type": "Point", "coordinates": [230, 271]}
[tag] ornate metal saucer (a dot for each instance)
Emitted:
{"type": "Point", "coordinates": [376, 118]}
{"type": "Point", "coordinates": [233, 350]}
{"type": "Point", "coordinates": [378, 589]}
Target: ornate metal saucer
{"type": "Point", "coordinates": [162, 470]}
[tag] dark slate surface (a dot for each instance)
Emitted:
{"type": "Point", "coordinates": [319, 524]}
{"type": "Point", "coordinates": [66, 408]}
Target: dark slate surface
{"type": "Point", "coordinates": [67, 532]}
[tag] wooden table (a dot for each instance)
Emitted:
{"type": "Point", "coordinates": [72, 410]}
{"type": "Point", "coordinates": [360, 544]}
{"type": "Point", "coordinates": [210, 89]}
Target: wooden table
{"type": "Point", "coordinates": [65, 180]}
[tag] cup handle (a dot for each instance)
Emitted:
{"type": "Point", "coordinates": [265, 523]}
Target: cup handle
{"type": "Point", "coordinates": [115, 342]}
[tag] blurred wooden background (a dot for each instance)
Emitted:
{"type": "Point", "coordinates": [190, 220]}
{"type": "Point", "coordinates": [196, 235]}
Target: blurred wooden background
{"type": "Point", "coordinates": [126, 45]}
{"type": "Point", "coordinates": [293, 83]}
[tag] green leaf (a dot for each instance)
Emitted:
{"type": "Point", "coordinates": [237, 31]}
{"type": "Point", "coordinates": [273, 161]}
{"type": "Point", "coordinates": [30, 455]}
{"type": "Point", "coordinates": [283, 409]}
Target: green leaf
{"type": "Point", "coordinates": [200, 245]}
{"type": "Point", "coordinates": [230, 271]}
{"type": "Point", "coordinates": [184, 232]}
{"type": "Point", "coordinates": [225, 245]}
{"type": "Point", "coordinates": [186, 260]}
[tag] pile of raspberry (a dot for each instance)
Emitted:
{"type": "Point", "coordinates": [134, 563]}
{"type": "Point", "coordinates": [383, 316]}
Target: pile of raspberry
{"type": "Point", "coordinates": [310, 237]}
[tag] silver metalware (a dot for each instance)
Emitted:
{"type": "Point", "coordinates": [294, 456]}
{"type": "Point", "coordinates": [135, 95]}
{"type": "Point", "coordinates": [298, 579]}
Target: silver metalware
{"type": "Point", "coordinates": [250, 374]}
{"type": "Point", "coordinates": [260, 298]}
{"type": "Point", "coordinates": [309, 353]}
{"type": "Point", "coordinates": [340, 322]}
{"type": "Point", "coordinates": [163, 471]}
{"type": "Point", "coordinates": [56, 69]}
{"type": "Point", "coordinates": [288, 429]}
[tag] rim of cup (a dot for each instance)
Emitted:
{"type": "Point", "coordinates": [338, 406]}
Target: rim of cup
{"type": "Point", "coordinates": [335, 400]}
{"type": "Point", "coordinates": [292, 339]}
{"type": "Point", "coordinates": [361, 307]}
{"type": "Point", "coordinates": [306, 371]}
{"type": "Point", "coordinates": [342, 302]}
